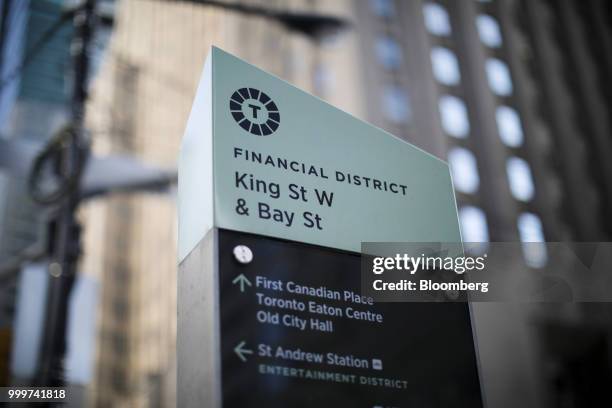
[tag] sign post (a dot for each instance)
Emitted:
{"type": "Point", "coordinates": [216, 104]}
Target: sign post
{"type": "Point", "coordinates": [277, 190]}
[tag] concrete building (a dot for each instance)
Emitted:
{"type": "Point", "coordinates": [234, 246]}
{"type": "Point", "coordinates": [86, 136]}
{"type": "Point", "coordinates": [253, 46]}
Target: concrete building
{"type": "Point", "coordinates": [140, 105]}
{"type": "Point", "coordinates": [517, 103]}
{"type": "Point", "coordinates": [489, 90]}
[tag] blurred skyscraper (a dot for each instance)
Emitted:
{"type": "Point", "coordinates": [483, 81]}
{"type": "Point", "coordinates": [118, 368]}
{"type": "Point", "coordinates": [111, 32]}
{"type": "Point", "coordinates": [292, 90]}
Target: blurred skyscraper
{"type": "Point", "coordinates": [35, 97]}
{"type": "Point", "coordinates": [40, 90]}
{"type": "Point", "coordinates": [140, 105]}
{"type": "Point", "coordinates": [513, 93]}
{"type": "Point", "coordinates": [26, 92]}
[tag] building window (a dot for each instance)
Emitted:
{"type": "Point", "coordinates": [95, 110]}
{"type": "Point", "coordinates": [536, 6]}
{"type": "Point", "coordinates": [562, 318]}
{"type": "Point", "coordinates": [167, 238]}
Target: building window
{"type": "Point", "coordinates": [120, 308]}
{"type": "Point", "coordinates": [396, 104]}
{"type": "Point", "coordinates": [436, 19]}
{"type": "Point", "coordinates": [473, 224]}
{"type": "Point", "coordinates": [119, 379]}
{"type": "Point", "coordinates": [519, 178]}
{"type": "Point", "coordinates": [498, 76]}
{"type": "Point", "coordinates": [445, 66]}
{"type": "Point", "coordinates": [530, 228]}
{"type": "Point", "coordinates": [120, 343]}
{"type": "Point", "coordinates": [509, 126]}
{"type": "Point", "coordinates": [464, 170]}
{"type": "Point", "coordinates": [488, 31]}
{"type": "Point", "coordinates": [454, 116]}
{"type": "Point", "coordinates": [532, 236]}
{"type": "Point", "coordinates": [389, 52]}
{"type": "Point", "coordinates": [382, 8]}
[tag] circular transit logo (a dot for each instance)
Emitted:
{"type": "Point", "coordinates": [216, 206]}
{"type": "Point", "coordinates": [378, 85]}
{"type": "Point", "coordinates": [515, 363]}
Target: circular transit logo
{"type": "Point", "coordinates": [254, 111]}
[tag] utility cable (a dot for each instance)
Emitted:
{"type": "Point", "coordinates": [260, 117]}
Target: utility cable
{"type": "Point", "coordinates": [52, 154]}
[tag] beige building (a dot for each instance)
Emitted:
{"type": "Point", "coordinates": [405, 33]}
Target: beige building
{"type": "Point", "coordinates": [469, 81]}
{"type": "Point", "coordinates": [140, 104]}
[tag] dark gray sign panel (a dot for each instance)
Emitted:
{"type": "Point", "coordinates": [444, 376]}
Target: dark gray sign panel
{"type": "Point", "coordinates": [295, 332]}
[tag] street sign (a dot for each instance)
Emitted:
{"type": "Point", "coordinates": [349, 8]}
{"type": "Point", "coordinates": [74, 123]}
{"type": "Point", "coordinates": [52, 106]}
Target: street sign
{"type": "Point", "coordinates": [277, 191]}
{"type": "Point", "coordinates": [264, 157]}
{"type": "Point", "coordinates": [301, 335]}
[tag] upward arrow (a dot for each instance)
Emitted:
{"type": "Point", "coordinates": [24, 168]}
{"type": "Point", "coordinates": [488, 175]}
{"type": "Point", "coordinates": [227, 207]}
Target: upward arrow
{"type": "Point", "coordinates": [242, 280]}
{"type": "Point", "coordinates": [241, 351]}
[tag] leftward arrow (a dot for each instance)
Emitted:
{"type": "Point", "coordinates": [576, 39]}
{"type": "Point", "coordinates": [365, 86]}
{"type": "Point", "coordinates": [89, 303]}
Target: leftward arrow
{"type": "Point", "coordinates": [242, 280]}
{"type": "Point", "coordinates": [241, 351]}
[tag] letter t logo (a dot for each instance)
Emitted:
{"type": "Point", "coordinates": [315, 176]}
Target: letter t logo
{"type": "Point", "coordinates": [255, 108]}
